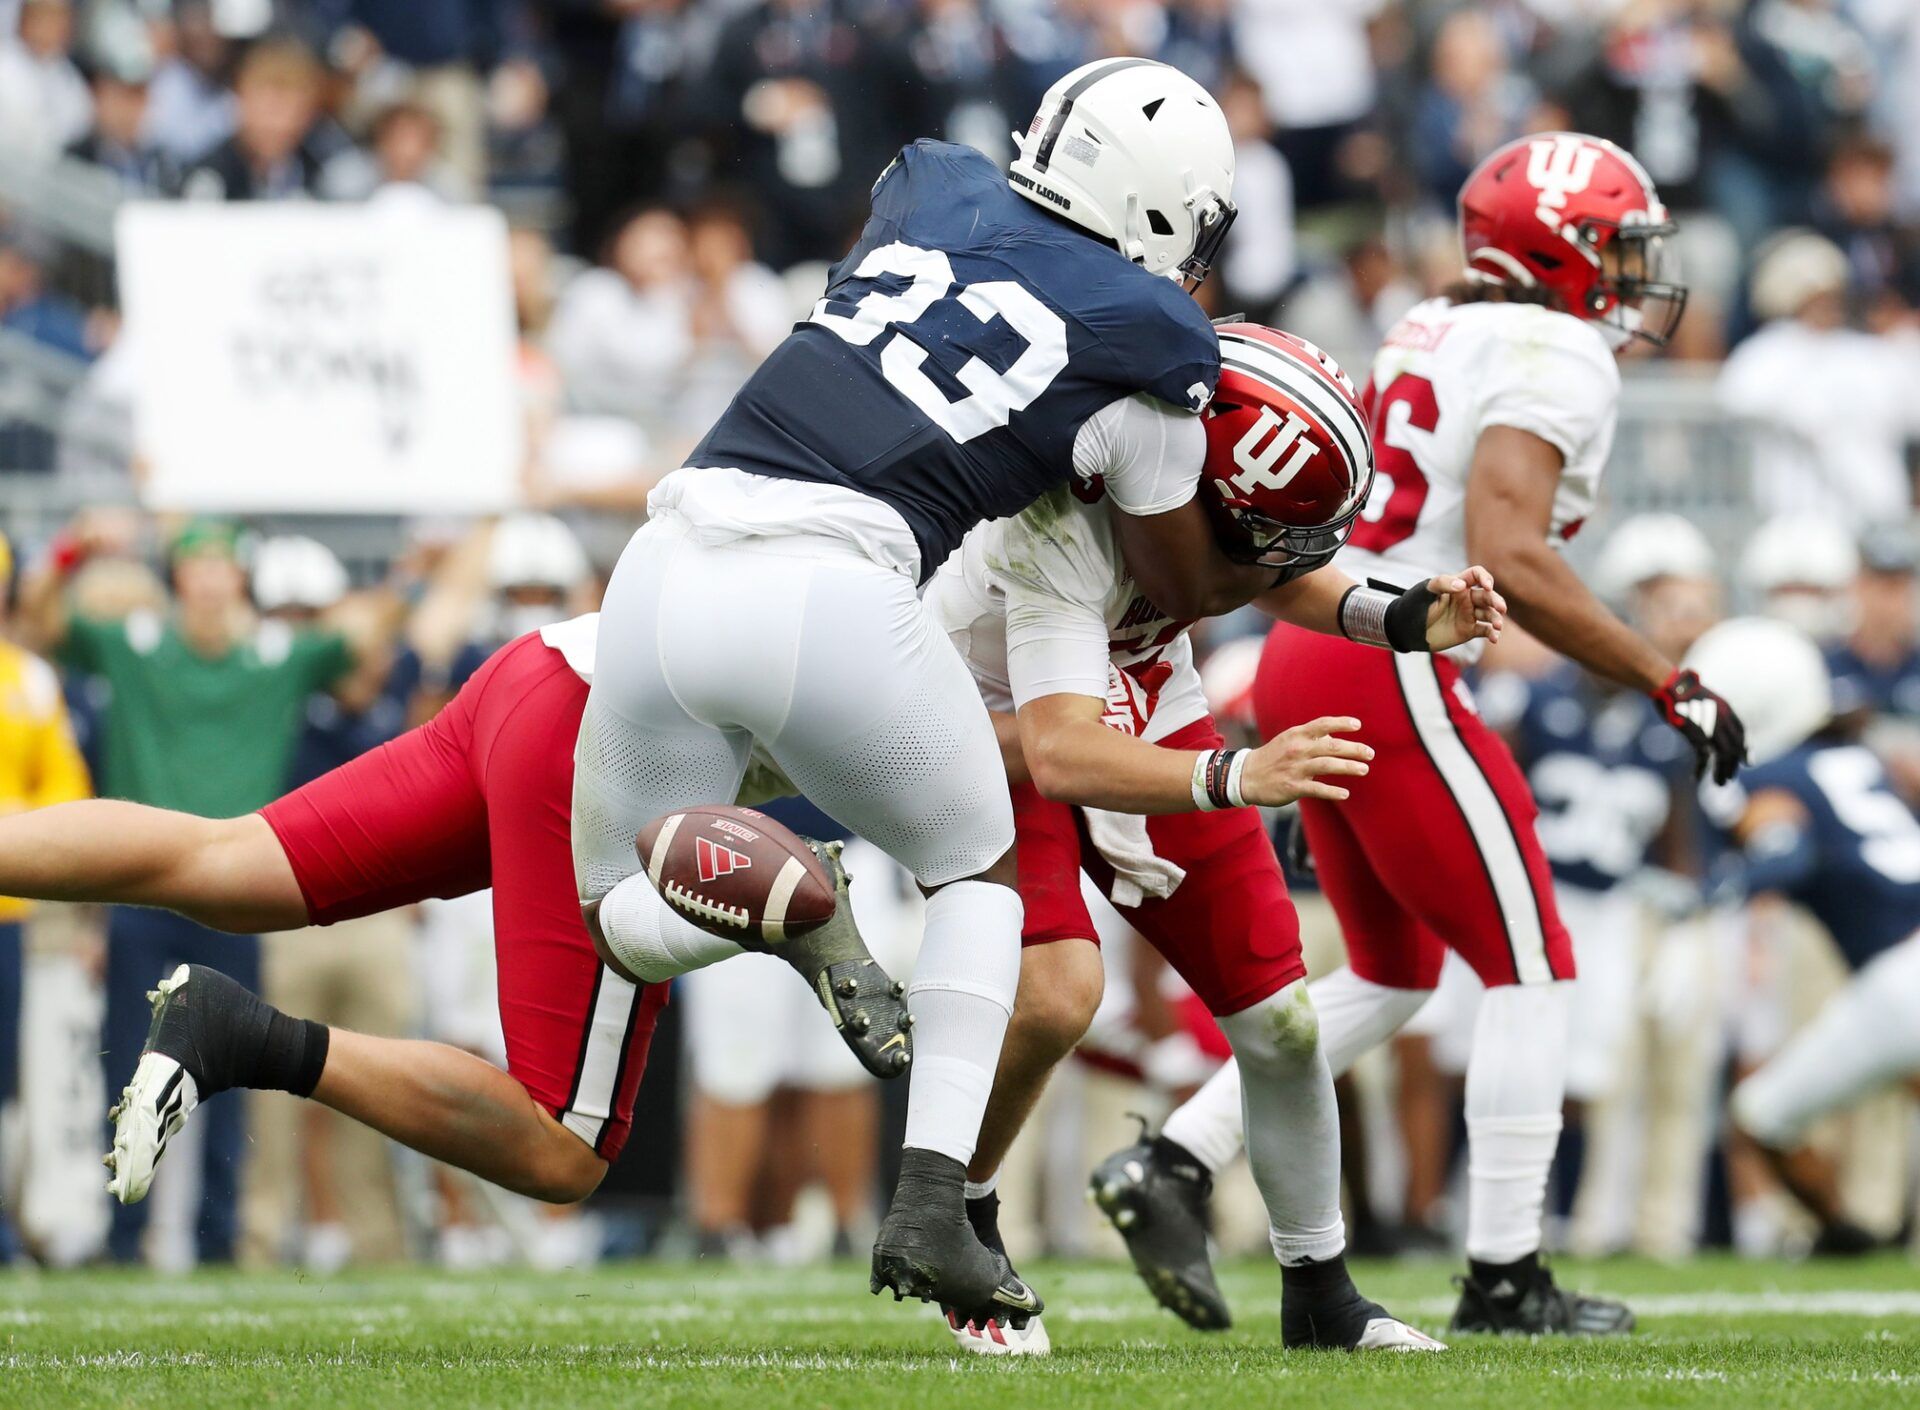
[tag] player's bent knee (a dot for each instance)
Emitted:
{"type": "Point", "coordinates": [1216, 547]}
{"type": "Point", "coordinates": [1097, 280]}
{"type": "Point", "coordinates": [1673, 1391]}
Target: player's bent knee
{"type": "Point", "coordinates": [1749, 1110]}
{"type": "Point", "coordinates": [1280, 1033]}
{"type": "Point", "coordinates": [1060, 989]}
{"type": "Point", "coordinates": [1004, 871]}
{"type": "Point", "coordinates": [1049, 1026]}
{"type": "Point", "coordinates": [565, 1170]}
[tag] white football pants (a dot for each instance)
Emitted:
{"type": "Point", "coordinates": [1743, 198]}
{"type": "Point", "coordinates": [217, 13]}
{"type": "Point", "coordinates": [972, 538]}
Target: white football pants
{"type": "Point", "coordinates": [830, 662]}
{"type": "Point", "coordinates": [826, 658]}
{"type": "Point", "coordinates": [1865, 1038]}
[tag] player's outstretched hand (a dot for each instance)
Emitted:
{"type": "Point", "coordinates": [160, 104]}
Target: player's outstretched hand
{"type": "Point", "coordinates": [1718, 738]}
{"type": "Point", "coordinates": [1304, 762]}
{"type": "Point", "coordinates": [1465, 607]}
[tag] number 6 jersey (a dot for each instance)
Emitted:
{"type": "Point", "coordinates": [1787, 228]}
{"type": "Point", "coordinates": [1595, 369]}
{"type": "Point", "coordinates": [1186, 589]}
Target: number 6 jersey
{"type": "Point", "coordinates": [1445, 374]}
{"type": "Point", "coordinates": [962, 350]}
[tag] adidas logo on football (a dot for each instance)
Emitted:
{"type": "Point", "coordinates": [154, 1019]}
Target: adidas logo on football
{"type": "Point", "coordinates": [716, 860]}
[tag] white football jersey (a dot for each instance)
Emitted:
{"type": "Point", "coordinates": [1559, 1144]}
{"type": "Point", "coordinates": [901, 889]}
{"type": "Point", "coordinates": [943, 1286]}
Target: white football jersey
{"type": "Point", "coordinates": [1445, 374]}
{"type": "Point", "coordinates": [1042, 604]}
{"type": "Point", "coordinates": [575, 639]}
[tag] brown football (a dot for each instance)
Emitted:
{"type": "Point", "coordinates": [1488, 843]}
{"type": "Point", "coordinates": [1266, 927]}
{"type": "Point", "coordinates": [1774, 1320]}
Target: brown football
{"type": "Point", "coordinates": [737, 873]}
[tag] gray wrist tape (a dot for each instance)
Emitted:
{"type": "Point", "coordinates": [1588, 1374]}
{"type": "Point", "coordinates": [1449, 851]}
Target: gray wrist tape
{"type": "Point", "coordinates": [1363, 614]}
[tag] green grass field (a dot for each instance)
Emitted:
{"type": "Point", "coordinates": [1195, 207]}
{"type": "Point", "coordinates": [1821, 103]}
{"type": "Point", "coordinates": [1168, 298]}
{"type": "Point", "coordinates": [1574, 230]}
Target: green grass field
{"type": "Point", "coordinates": [1713, 1333]}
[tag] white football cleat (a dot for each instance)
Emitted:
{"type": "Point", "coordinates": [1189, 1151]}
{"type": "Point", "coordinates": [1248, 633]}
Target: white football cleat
{"type": "Point", "coordinates": [999, 1337]}
{"type": "Point", "coordinates": [1391, 1334]}
{"type": "Point", "coordinates": [154, 1106]}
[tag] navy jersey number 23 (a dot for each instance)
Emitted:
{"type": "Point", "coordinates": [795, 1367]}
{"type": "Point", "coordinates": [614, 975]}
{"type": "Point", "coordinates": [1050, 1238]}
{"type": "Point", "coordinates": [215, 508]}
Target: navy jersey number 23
{"type": "Point", "coordinates": [959, 348]}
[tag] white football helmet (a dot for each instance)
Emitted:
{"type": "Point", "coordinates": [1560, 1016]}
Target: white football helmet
{"type": "Point", "coordinates": [1801, 568]}
{"type": "Point", "coordinates": [1793, 550]}
{"type": "Point", "coordinates": [1773, 676]}
{"type": "Point", "coordinates": [293, 571]}
{"type": "Point", "coordinates": [535, 551]}
{"type": "Point", "coordinates": [1650, 546]}
{"type": "Point", "coordinates": [1134, 152]}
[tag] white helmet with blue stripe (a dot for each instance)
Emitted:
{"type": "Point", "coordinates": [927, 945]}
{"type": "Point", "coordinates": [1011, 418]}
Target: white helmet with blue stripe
{"type": "Point", "coordinates": [1135, 152]}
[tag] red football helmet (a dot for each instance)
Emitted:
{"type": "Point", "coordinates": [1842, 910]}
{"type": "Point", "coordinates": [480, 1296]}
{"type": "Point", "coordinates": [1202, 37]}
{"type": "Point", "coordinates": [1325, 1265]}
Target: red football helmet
{"type": "Point", "coordinates": [1579, 216]}
{"type": "Point", "coordinates": [1289, 462]}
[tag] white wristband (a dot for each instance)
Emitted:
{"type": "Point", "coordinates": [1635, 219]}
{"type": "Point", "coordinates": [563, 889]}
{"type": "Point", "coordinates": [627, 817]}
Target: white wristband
{"type": "Point", "coordinates": [1234, 770]}
{"type": "Point", "coordinates": [1198, 785]}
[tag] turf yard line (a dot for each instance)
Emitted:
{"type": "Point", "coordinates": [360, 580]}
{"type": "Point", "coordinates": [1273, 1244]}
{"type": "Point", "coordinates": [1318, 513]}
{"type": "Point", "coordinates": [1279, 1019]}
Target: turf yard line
{"type": "Point", "coordinates": [1721, 1335]}
{"type": "Point", "coordinates": [1838, 1302]}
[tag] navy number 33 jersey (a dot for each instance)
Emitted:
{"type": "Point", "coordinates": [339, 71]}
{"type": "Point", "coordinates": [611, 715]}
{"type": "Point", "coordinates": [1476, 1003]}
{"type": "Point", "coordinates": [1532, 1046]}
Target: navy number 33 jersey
{"type": "Point", "coordinates": [960, 346]}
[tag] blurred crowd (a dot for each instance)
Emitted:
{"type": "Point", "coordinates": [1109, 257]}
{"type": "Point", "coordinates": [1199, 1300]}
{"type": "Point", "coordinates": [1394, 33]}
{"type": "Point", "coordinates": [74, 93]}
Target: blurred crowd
{"type": "Point", "coordinates": [680, 171]}
{"type": "Point", "coordinates": [677, 174]}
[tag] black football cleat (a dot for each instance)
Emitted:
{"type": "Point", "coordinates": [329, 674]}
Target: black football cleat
{"type": "Point", "coordinates": [1533, 1305]}
{"type": "Point", "coordinates": [1321, 1310]}
{"type": "Point", "coordinates": [1002, 1333]}
{"type": "Point", "coordinates": [1843, 1239]}
{"type": "Point", "coordinates": [867, 1005]}
{"type": "Point", "coordinates": [928, 1249]}
{"type": "Point", "coordinates": [1363, 1326]}
{"type": "Point", "coordinates": [1155, 1193]}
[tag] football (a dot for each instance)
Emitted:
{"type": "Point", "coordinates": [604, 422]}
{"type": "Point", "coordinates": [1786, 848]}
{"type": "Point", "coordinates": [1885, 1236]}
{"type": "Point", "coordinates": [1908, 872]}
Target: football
{"type": "Point", "coordinates": [737, 873]}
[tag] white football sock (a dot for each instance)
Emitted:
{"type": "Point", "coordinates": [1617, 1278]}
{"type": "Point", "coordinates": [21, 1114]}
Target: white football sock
{"type": "Point", "coordinates": [653, 940]}
{"type": "Point", "coordinates": [1516, 1082]}
{"type": "Point", "coordinates": [961, 997]}
{"type": "Point", "coordinates": [980, 1189]}
{"type": "Point", "coordinates": [1293, 1126]}
{"type": "Point", "coordinates": [1210, 1123]}
{"type": "Point", "coordinates": [1357, 1015]}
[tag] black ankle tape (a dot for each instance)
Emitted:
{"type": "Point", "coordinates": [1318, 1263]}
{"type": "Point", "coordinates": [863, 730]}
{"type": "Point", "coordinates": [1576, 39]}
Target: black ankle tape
{"type": "Point", "coordinates": [292, 1055]}
{"type": "Point", "coordinates": [1316, 1278]}
{"type": "Point", "coordinates": [1517, 1275]}
{"type": "Point", "coordinates": [930, 1167]}
{"type": "Point", "coordinates": [983, 1212]}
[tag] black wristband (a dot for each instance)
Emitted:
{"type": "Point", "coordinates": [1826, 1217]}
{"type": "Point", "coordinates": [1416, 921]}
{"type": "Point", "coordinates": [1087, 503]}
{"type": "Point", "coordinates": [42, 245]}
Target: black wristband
{"type": "Point", "coordinates": [1219, 767]}
{"type": "Point", "coordinates": [1406, 619]}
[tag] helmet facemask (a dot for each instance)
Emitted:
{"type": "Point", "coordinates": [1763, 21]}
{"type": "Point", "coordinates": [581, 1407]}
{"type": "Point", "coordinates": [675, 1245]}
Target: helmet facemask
{"type": "Point", "coordinates": [1249, 537]}
{"type": "Point", "coordinates": [1639, 293]}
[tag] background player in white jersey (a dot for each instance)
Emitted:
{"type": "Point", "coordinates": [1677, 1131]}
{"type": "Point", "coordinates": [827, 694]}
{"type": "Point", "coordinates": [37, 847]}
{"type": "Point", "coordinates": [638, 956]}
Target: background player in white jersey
{"type": "Point", "coordinates": [1112, 724]}
{"type": "Point", "coordinates": [1492, 411]}
{"type": "Point", "coordinates": [983, 328]}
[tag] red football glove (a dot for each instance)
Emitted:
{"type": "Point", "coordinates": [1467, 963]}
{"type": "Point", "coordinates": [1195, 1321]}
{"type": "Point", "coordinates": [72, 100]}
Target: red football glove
{"type": "Point", "coordinates": [1718, 738]}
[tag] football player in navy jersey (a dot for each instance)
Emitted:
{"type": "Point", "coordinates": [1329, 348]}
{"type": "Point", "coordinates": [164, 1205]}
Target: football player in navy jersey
{"type": "Point", "coordinates": [1602, 769]}
{"type": "Point", "coordinates": [991, 335]}
{"type": "Point", "coordinates": [1606, 772]}
{"type": "Point", "coordinates": [1815, 820]}
{"type": "Point", "coordinates": [1877, 666]}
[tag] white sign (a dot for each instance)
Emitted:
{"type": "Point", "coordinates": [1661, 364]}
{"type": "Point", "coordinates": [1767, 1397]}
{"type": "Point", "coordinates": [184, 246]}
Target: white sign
{"type": "Point", "coordinates": [322, 359]}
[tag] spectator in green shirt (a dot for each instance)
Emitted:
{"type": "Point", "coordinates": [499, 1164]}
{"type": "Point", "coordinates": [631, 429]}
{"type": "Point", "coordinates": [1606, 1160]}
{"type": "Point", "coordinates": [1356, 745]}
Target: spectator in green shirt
{"type": "Point", "coordinates": [206, 706]}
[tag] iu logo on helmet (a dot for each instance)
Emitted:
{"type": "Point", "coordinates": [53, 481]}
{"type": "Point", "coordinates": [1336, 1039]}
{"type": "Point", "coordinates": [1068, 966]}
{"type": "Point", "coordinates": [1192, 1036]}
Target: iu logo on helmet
{"type": "Point", "coordinates": [1265, 442]}
{"type": "Point", "coordinates": [716, 859]}
{"type": "Point", "coordinates": [1558, 167]}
